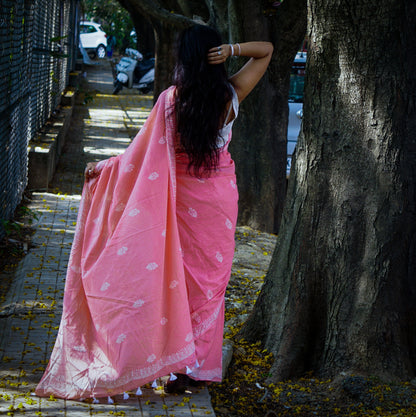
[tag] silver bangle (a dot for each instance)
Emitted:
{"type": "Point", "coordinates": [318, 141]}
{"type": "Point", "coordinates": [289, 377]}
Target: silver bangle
{"type": "Point", "coordinates": [232, 49]}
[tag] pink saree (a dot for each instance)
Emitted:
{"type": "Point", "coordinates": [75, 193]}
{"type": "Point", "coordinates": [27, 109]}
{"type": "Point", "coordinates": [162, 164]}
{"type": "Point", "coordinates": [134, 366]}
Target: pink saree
{"type": "Point", "coordinates": [149, 265]}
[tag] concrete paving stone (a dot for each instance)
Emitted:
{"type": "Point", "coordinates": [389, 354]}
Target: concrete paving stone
{"type": "Point", "coordinates": [130, 408]}
{"type": "Point", "coordinates": [80, 413]}
{"type": "Point", "coordinates": [102, 409]}
{"type": "Point", "coordinates": [76, 406]}
{"type": "Point", "coordinates": [11, 354]}
{"type": "Point", "coordinates": [32, 259]}
{"type": "Point", "coordinates": [6, 401]}
{"type": "Point", "coordinates": [49, 281]}
{"type": "Point", "coordinates": [48, 275]}
{"type": "Point", "coordinates": [53, 408]}
{"type": "Point", "coordinates": [147, 414]}
{"type": "Point", "coordinates": [53, 251]}
{"type": "Point", "coordinates": [13, 349]}
{"type": "Point", "coordinates": [27, 405]}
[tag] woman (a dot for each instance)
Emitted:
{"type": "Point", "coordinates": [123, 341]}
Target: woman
{"type": "Point", "coordinates": [206, 179]}
{"type": "Point", "coordinates": [153, 248]}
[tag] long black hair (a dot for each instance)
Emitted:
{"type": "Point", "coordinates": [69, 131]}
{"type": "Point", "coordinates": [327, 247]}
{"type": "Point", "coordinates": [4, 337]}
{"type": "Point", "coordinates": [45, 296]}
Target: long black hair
{"type": "Point", "coordinates": [202, 94]}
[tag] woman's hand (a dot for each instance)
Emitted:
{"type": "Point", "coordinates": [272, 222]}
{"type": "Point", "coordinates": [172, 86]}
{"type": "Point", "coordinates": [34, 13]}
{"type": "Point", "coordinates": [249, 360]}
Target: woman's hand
{"type": "Point", "coordinates": [219, 54]}
{"type": "Point", "coordinates": [90, 171]}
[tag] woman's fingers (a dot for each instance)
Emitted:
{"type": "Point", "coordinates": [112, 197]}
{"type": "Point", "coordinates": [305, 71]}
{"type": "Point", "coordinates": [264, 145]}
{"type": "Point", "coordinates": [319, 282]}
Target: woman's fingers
{"type": "Point", "coordinates": [219, 54]}
{"type": "Point", "coordinates": [90, 172]}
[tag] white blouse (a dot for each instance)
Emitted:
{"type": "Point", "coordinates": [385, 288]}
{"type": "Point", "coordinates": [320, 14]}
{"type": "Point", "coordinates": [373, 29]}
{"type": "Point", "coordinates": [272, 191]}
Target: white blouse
{"type": "Point", "coordinates": [225, 131]}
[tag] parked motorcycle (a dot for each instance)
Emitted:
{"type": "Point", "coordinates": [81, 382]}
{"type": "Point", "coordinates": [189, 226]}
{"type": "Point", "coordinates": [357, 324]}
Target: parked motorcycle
{"type": "Point", "coordinates": [133, 71]}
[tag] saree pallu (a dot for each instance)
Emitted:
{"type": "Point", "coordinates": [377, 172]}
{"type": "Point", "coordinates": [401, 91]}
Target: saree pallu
{"type": "Point", "coordinates": [144, 296]}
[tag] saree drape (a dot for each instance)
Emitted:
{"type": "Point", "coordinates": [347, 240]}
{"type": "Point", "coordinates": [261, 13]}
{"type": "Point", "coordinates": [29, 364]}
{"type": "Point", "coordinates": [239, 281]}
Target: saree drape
{"type": "Point", "coordinates": [150, 261]}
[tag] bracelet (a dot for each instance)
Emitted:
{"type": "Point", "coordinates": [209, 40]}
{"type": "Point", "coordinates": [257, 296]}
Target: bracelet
{"type": "Point", "coordinates": [239, 49]}
{"type": "Point", "coordinates": [232, 49]}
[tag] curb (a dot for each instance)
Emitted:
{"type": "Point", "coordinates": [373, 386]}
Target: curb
{"type": "Point", "coordinates": [45, 149]}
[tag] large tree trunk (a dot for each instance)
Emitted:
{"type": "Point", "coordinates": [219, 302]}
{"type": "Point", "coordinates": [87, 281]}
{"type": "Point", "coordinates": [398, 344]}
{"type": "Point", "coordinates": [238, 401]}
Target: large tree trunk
{"type": "Point", "coordinates": [165, 58]}
{"type": "Point", "coordinates": [143, 27]}
{"type": "Point", "coordinates": [340, 294]}
{"type": "Point", "coordinates": [261, 130]}
{"type": "Point", "coordinates": [259, 146]}
{"type": "Point", "coordinates": [145, 34]}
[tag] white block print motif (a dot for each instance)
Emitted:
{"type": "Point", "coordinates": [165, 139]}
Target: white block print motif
{"type": "Point", "coordinates": [120, 207]}
{"type": "Point", "coordinates": [134, 212]}
{"type": "Point", "coordinates": [192, 212]}
{"type": "Point", "coordinates": [129, 168]}
{"type": "Point", "coordinates": [122, 250]}
{"type": "Point", "coordinates": [151, 358]}
{"type": "Point", "coordinates": [152, 266]}
{"type": "Point", "coordinates": [153, 176]}
{"type": "Point", "coordinates": [138, 303]}
{"type": "Point", "coordinates": [79, 348]}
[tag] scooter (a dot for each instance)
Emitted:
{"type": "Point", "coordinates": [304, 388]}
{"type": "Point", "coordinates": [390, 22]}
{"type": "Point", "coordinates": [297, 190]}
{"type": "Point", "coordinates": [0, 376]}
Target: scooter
{"type": "Point", "coordinates": [133, 71]}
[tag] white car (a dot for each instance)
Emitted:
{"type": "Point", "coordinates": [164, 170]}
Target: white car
{"type": "Point", "coordinates": [297, 81]}
{"type": "Point", "coordinates": [93, 39]}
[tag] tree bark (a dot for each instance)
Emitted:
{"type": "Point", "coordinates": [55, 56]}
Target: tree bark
{"type": "Point", "coordinates": [145, 35]}
{"type": "Point", "coordinates": [340, 294]}
{"type": "Point", "coordinates": [260, 147]}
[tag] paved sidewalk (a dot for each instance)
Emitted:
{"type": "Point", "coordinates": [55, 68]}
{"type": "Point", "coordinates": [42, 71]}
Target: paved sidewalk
{"type": "Point", "coordinates": [30, 314]}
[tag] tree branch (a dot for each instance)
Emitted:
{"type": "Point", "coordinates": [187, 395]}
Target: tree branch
{"type": "Point", "coordinates": [153, 9]}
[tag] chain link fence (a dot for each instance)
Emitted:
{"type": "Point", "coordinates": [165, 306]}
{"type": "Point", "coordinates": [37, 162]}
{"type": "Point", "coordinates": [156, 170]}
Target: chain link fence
{"type": "Point", "coordinates": [38, 48]}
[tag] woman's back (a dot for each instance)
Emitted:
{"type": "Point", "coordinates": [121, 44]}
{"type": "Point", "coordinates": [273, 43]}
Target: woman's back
{"type": "Point", "coordinates": [202, 95]}
{"type": "Point", "coordinates": [206, 99]}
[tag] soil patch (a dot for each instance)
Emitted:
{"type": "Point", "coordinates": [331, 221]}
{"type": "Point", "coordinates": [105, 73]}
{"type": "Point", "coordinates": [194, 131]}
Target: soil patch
{"type": "Point", "coordinates": [15, 243]}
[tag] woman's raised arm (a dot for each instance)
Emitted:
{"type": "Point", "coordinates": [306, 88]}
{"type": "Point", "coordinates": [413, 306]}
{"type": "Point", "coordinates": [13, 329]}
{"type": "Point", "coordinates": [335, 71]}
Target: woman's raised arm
{"type": "Point", "coordinates": [250, 74]}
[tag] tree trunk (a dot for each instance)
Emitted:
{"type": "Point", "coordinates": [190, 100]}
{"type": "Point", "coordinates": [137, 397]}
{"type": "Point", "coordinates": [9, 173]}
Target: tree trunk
{"type": "Point", "coordinates": [259, 146]}
{"type": "Point", "coordinates": [144, 30]}
{"type": "Point", "coordinates": [340, 294]}
{"type": "Point", "coordinates": [145, 34]}
{"type": "Point", "coordinates": [165, 58]}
